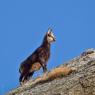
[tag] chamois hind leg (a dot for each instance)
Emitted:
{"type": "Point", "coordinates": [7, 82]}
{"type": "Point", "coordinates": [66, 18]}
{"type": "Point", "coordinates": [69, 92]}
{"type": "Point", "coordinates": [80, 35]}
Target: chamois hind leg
{"type": "Point", "coordinates": [25, 77]}
{"type": "Point", "coordinates": [22, 78]}
{"type": "Point", "coordinates": [30, 75]}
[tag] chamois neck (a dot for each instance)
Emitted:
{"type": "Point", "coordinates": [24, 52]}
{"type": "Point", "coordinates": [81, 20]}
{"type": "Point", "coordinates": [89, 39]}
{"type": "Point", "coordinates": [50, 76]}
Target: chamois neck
{"type": "Point", "coordinates": [46, 43]}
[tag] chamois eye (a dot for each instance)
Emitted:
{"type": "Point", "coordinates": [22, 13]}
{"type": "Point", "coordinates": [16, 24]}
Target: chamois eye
{"type": "Point", "coordinates": [49, 35]}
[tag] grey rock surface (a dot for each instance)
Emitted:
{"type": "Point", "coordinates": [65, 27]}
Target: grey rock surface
{"type": "Point", "coordinates": [79, 82]}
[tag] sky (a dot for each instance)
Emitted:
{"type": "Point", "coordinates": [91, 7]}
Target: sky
{"type": "Point", "coordinates": [23, 24]}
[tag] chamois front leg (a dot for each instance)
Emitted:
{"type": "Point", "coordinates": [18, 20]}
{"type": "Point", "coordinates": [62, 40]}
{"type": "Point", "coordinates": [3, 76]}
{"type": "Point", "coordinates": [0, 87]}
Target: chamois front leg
{"type": "Point", "coordinates": [44, 66]}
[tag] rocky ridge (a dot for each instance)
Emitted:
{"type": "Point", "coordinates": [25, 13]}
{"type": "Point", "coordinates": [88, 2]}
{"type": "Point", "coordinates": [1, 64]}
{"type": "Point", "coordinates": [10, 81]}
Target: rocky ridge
{"type": "Point", "coordinates": [76, 77]}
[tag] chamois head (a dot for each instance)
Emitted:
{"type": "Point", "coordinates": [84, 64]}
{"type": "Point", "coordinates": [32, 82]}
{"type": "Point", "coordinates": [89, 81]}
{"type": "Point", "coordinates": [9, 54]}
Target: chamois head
{"type": "Point", "coordinates": [50, 36]}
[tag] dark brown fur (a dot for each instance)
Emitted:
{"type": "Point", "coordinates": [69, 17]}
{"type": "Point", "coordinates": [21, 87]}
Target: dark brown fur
{"type": "Point", "coordinates": [35, 61]}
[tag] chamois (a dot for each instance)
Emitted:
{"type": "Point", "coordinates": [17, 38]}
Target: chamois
{"type": "Point", "coordinates": [37, 59]}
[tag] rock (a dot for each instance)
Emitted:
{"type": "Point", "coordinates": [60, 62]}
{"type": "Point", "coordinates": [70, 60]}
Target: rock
{"type": "Point", "coordinates": [76, 77]}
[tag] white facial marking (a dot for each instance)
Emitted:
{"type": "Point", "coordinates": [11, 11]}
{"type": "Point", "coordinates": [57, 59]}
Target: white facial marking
{"type": "Point", "coordinates": [50, 37]}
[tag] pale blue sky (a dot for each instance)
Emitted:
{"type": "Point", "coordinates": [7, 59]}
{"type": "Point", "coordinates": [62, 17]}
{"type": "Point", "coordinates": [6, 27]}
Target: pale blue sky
{"type": "Point", "coordinates": [23, 24]}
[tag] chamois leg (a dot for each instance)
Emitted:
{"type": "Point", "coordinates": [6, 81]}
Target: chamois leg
{"type": "Point", "coordinates": [30, 75]}
{"type": "Point", "coordinates": [23, 77]}
{"type": "Point", "coordinates": [27, 76]}
{"type": "Point", "coordinates": [44, 68]}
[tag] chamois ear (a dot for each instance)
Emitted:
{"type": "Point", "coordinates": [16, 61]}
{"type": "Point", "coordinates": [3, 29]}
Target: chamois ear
{"type": "Point", "coordinates": [49, 31]}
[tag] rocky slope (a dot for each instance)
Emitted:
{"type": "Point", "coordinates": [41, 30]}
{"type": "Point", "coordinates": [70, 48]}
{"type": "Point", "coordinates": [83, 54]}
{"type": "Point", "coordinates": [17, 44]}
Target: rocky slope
{"type": "Point", "coordinates": [76, 77]}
